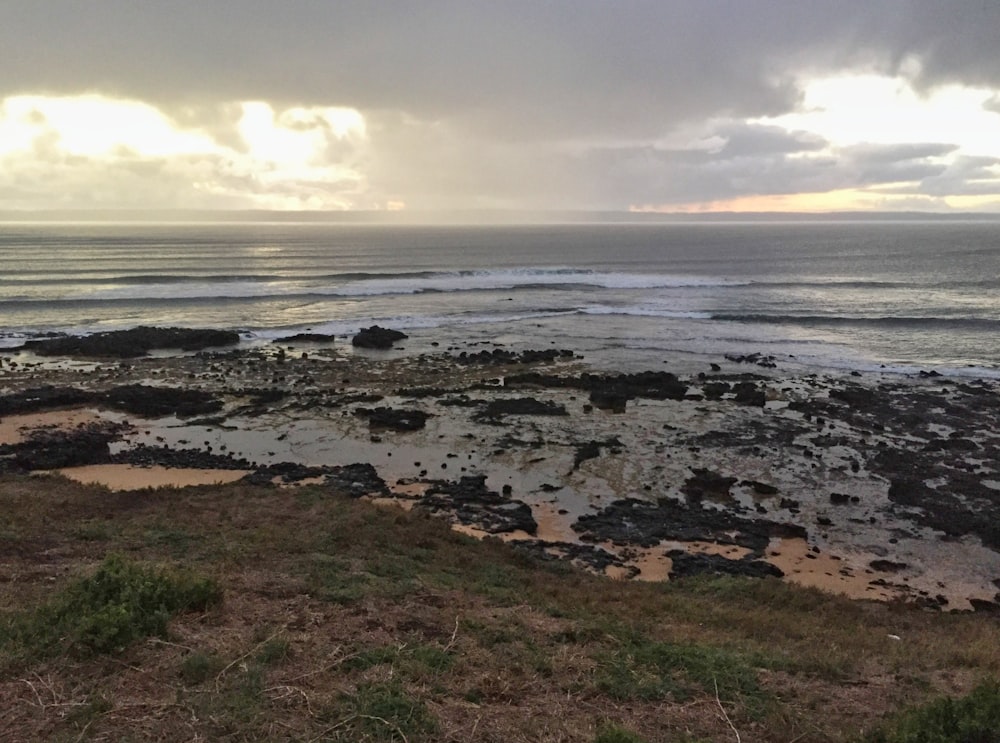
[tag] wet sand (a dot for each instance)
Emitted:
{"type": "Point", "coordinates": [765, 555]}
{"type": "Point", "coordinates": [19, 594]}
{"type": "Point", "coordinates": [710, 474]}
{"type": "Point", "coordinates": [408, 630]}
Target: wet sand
{"type": "Point", "coordinates": [129, 477]}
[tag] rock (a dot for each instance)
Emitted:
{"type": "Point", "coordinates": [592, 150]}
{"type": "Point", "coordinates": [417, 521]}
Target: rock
{"type": "Point", "coordinates": [706, 484]}
{"type": "Point", "coordinates": [613, 400]}
{"type": "Point", "coordinates": [760, 488]}
{"type": "Point", "coordinates": [43, 398]}
{"type": "Point", "coordinates": [156, 402]}
{"type": "Point", "coordinates": [632, 521]}
{"type": "Point", "coordinates": [145, 456]}
{"type": "Point", "coordinates": [887, 566]}
{"type": "Point", "coordinates": [500, 408]}
{"type": "Point", "coordinates": [747, 393]}
{"type": "Point", "coordinates": [49, 449]}
{"type": "Point", "coordinates": [306, 338]}
{"type": "Point", "coordinates": [132, 343]}
{"type": "Point", "coordinates": [377, 338]}
{"type": "Point", "coordinates": [592, 450]}
{"type": "Point", "coordinates": [686, 564]}
{"type": "Point", "coordinates": [469, 502]}
{"type": "Point", "coordinates": [393, 418]}
{"type": "Point", "coordinates": [595, 558]}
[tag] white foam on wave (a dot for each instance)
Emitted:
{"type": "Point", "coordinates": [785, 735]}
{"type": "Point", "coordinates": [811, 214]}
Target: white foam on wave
{"type": "Point", "coordinates": [448, 281]}
{"type": "Point", "coordinates": [644, 311]}
{"type": "Point", "coordinates": [514, 278]}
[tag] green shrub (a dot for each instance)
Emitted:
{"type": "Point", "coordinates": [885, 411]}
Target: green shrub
{"type": "Point", "coordinates": [972, 719]}
{"type": "Point", "coordinates": [120, 603]}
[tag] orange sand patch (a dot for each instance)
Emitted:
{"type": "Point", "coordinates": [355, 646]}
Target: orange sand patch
{"type": "Point", "coordinates": [410, 489]}
{"type": "Point", "coordinates": [510, 536]}
{"type": "Point", "coordinates": [298, 483]}
{"type": "Point", "coordinates": [552, 525]}
{"type": "Point", "coordinates": [654, 566]}
{"type": "Point", "coordinates": [130, 477]}
{"type": "Point", "coordinates": [806, 568]}
{"type": "Point", "coordinates": [406, 505]}
{"type": "Point", "coordinates": [14, 428]}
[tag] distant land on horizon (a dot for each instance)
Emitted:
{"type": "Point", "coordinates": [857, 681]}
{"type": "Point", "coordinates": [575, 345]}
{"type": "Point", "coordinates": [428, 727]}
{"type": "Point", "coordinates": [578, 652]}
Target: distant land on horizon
{"type": "Point", "coordinates": [472, 217]}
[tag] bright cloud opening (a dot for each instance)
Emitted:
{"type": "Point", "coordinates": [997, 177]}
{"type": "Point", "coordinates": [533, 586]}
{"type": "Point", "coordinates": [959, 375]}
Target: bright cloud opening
{"type": "Point", "coordinates": [92, 150]}
{"type": "Point", "coordinates": [872, 109]}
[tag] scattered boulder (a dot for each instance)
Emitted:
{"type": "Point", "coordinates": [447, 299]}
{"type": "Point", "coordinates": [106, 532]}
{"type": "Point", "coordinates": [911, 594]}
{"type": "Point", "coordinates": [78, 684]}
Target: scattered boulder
{"type": "Point", "coordinates": [377, 338]}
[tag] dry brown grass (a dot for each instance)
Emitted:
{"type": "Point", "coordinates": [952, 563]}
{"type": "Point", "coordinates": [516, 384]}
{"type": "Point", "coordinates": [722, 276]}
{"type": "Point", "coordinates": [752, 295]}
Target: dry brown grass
{"type": "Point", "coordinates": [344, 621]}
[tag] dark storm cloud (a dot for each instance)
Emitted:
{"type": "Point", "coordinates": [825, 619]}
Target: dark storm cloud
{"type": "Point", "coordinates": [517, 68]}
{"type": "Point", "coordinates": [749, 139]}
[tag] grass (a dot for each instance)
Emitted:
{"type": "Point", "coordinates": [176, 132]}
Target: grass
{"type": "Point", "coordinates": [344, 621]}
{"type": "Point", "coordinates": [974, 718]}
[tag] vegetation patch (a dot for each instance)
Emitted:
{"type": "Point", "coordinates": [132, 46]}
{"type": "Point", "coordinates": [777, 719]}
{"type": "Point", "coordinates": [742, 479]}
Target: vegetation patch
{"type": "Point", "coordinates": [383, 713]}
{"type": "Point", "coordinates": [105, 612]}
{"type": "Point", "coordinates": [974, 718]}
{"type": "Point", "coordinates": [641, 669]}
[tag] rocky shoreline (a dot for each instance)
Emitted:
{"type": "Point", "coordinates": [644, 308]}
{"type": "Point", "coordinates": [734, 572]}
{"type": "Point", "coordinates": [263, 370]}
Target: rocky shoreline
{"type": "Point", "coordinates": [882, 487]}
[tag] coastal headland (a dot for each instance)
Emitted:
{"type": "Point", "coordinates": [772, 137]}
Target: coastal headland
{"type": "Point", "coordinates": [882, 489]}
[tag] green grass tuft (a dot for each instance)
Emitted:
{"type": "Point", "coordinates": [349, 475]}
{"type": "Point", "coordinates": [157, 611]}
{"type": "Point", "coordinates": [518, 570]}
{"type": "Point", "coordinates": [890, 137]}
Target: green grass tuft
{"type": "Point", "coordinates": [104, 613]}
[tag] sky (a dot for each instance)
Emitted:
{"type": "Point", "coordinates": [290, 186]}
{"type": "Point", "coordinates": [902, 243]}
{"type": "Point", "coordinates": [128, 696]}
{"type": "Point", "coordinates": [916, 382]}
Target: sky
{"type": "Point", "coordinates": [645, 105]}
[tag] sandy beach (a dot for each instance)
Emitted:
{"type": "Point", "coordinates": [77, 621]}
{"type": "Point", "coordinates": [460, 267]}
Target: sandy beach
{"type": "Point", "coordinates": [878, 487]}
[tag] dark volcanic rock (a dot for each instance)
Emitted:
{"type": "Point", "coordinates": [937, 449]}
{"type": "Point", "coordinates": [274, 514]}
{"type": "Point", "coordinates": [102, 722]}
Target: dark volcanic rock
{"type": "Point", "coordinates": [155, 402]}
{"type": "Point", "coordinates": [760, 488]}
{"type": "Point", "coordinates": [393, 419]}
{"type": "Point", "coordinates": [614, 400]}
{"type": "Point", "coordinates": [47, 449]}
{"type": "Point", "coordinates": [126, 344]}
{"type": "Point", "coordinates": [686, 564]}
{"type": "Point", "coordinates": [357, 479]}
{"type": "Point", "coordinates": [752, 358]}
{"type": "Point", "coordinates": [592, 450]}
{"type": "Point", "coordinates": [595, 558]}
{"type": "Point", "coordinates": [500, 356]}
{"type": "Point", "coordinates": [354, 480]}
{"type": "Point", "coordinates": [648, 385]}
{"type": "Point", "coordinates": [162, 456]}
{"type": "Point", "coordinates": [747, 393]}
{"type": "Point", "coordinates": [500, 408]}
{"type": "Point", "coordinates": [632, 521]}
{"type": "Point", "coordinates": [43, 398]}
{"type": "Point", "coordinates": [707, 484]}
{"type": "Point", "coordinates": [139, 399]}
{"type": "Point", "coordinates": [887, 566]}
{"type": "Point", "coordinates": [377, 337]}
{"type": "Point", "coordinates": [307, 338]}
{"type": "Point", "coordinates": [469, 502]}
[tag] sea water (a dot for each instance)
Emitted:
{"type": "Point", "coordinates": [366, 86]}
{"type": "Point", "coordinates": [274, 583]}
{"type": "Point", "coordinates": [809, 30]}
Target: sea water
{"type": "Point", "coordinates": [899, 296]}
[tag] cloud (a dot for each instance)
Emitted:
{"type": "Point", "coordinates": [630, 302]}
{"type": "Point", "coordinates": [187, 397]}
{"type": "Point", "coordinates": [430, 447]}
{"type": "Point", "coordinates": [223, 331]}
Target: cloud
{"type": "Point", "coordinates": [475, 103]}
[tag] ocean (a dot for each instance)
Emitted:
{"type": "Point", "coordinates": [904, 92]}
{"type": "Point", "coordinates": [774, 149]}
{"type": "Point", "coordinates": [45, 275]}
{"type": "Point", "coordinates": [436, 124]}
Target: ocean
{"type": "Point", "coordinates": [892, 296]}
